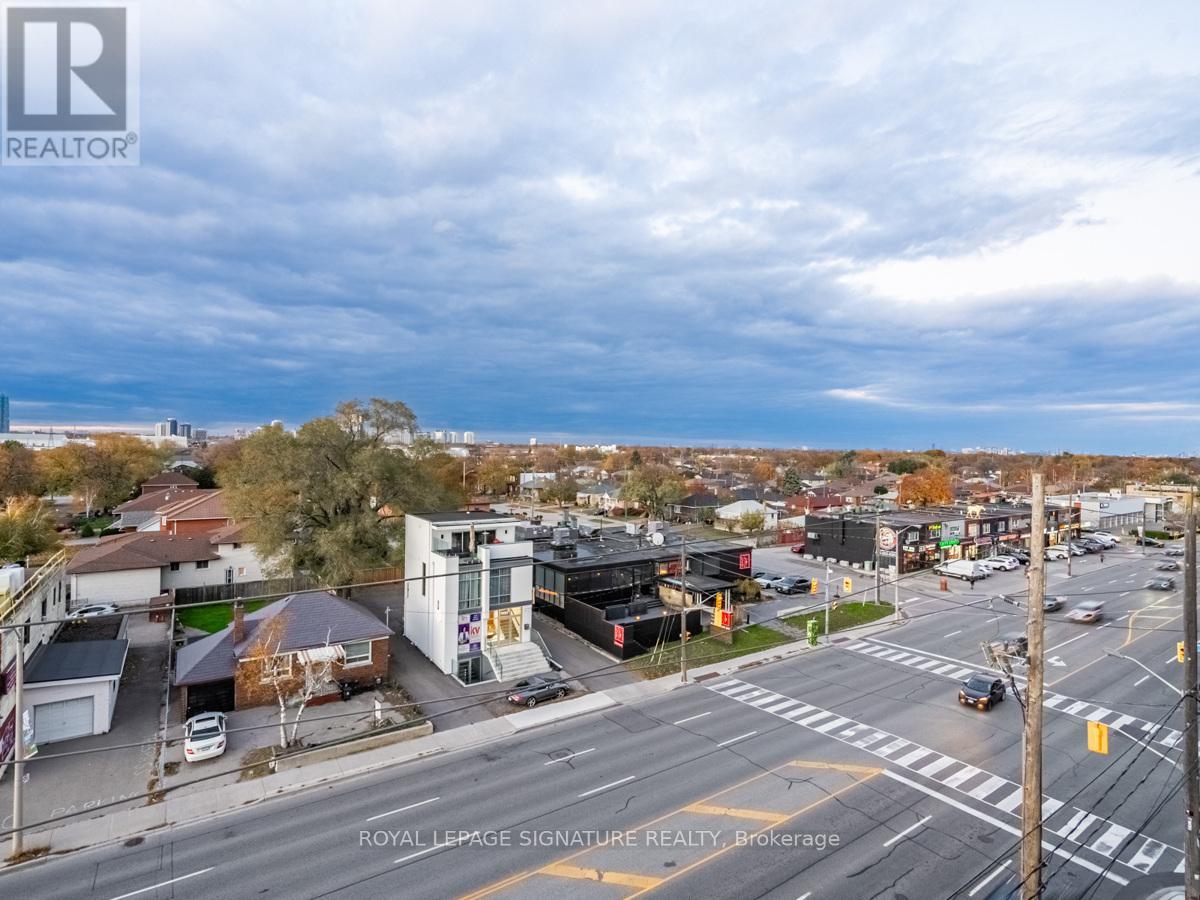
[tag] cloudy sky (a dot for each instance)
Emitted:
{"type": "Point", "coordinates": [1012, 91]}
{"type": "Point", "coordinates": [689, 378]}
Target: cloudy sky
{"type": "Point", "coordinates": [822, 224]}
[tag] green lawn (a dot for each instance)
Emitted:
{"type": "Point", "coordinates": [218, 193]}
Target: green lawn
{"type": "Point", "coordinates": [847, 615]}
{"type": "Point", "coordinates": [215, 617]}
{"type": "Point", "coordinates": [703, 651]}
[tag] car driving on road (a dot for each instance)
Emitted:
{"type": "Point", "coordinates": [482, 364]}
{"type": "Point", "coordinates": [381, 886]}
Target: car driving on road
{"type": "Point", "coordinates": [1168, 565]}
{"type": "Point", "coordinates": [981, 691]}
{"type": "Point", "coordinates": [1088, 611]}
{"type": "Point", "coordinates": [1161, 583]}
{"type": "Point", "coordinates": [1173, 551]}
{"type": "Point", "coordinates": [533, 690]}
{"type": "Point", "coordinates": [1053, 604]}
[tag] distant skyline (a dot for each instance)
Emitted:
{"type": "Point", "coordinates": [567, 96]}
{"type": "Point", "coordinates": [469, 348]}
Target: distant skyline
{"type": "Point", "coordinates": [832, 225]}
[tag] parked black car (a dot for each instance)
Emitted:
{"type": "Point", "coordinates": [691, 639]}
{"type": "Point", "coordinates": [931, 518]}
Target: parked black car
{"type": "Point", "coordinates": [1018, 554]}
{"type": "Point", "coordinates": [1149, 542]}
{"type": "Point", "coordinates": [792, 584]}
{"type": "Point", "coordinates": [981, 691]}
{"type": "Point", "coordinates": [536, 688]}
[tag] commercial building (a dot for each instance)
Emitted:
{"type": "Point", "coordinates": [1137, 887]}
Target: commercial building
{"type": "Point", "coordinates": [620, 589]}
{"type": "Point", "coordinates": [928, 536]}
{"type": "Point", "coordinates": [5, 423]}
{"type": "Point", "coordinates": [1115, 511]}
{"type": "Point", "coordinates": [468, 600]}
{"type": "Point", "coordinates": [469, 438]}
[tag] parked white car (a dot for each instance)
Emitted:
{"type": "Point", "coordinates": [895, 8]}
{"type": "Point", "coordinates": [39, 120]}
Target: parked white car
{"type": "Point", "coordinates": [1106, 541]}
{"type": "Point", "coordinates": [95, 609]}
{"type": "Point", "coordinates": [1001, 563]}
{"type": "Point", "coordinates": [1058, 551]}
{"type": "Point", "coordinates": [204, 736]}
{"type": "Point", "coordinates": [1115, 538]}
{"type": "Point", "coordinates": [966, 569]}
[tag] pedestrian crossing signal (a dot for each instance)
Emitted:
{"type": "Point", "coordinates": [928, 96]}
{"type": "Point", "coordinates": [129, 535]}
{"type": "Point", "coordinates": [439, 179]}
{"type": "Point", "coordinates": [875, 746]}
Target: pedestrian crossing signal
{"type": "Point", "coordinates": [1097, 737]}
{"type": "Point", "coordinates": [1179, 651]}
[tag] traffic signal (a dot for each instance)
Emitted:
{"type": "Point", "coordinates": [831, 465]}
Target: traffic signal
{"type": "Point", "coordinates": [1180, 653]}
{"type": "Point", "coordinates": [812, 632]}
{"type": "Point", "coordinates": [847, 585]}
{"type": "Point", "coordinates": [1097, 737]}
{"type": "Point", "coordinates": [812, 588]}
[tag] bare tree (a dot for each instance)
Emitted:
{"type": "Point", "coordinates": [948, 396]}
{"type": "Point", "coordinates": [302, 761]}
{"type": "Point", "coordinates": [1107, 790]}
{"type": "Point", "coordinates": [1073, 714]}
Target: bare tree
{"type": "Point", "coordinates": [291, 689]}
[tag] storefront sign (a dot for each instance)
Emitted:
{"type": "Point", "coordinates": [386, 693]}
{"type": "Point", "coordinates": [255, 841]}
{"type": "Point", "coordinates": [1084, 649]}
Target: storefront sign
{"type": "Point", "coordinates": [470, 633]}
{"type": "Point", "coordinates": [743, 560]}
{"type": "Point", "coordinates": [8, 736]}
{"type": "Point", "coordinates": [952, 542]}
{"type": "Point", "coordinates": [619, 635]}
{"type": "Point", "coordinates": [887, 539]}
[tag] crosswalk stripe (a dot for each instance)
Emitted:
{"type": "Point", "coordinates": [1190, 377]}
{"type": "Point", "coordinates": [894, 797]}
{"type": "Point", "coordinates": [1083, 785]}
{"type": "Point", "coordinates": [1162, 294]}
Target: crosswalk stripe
{"type": "Point", "coordinates": [1011, 802]}
{"type": "Point", "coordinates": [874, 737]}
{"type": "Point", "coordinates": [892, 747]}
{"type": "Point", "coordinates": [1147, 855]}
{"type": "Point", "coordinates": [826, 727]}
{"type": "Point", "coordinates": [1054, 700]}
{"type": "Point", "coordinates": [1075, 707]}
{"type": "Point", "coordinates": [928, 664]}
{"type": "Point", "coordinates": [937, 765]}
{"type": "Point", "coordinates": [857, 645]}
{"type": "Point", "coordinates": [1097, 714]}
{"type": "Point", "coordinates": [987, 787]}
{"type": "Point", "coordinates": [1049, 807]}
{"type": "Point", "coordinates": [769, 698]}
{"type": "Point", "coordinates": [1171, 739]}
{"type": "Point", "coordinates": [942, 670]}
{"type": "Point", "coordinates": [961, 673]}
{"type": "Point", "coordinates": [900, 657]}
{"type": "Point", "coordinates": [816, 717]}
{"type": "Point", "coordinates": [890, 654]}
{"type": "Point", "coordinates": [800, 710]}
{"type": "Point", "coordinates": [723, 685]}
{"type": "Point", "coordinates": [964, 774]}
{"type": "Point", "coordinates": [1110, 840]}
{"type": "Point", "coordinates": [1079, 825]}
{"type": "Point", "coordinates": [774, 710]}
{"type": "Point", "coordinates": [742, 689]}
{"type": "Point", "coordinates": [1122, 721]}
{"type": "Point", "coordinates": [909, 758]}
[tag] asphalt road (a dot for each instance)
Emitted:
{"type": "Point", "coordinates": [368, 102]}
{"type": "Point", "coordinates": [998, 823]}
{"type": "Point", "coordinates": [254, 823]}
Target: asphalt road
{"type": "Point", "coordinates": [847, 772]}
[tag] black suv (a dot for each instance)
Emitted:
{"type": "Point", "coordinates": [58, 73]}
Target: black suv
{"type": "Point", "coordinates": [981, 691]}
{"type": "Point", "coordinates": [530, 691]}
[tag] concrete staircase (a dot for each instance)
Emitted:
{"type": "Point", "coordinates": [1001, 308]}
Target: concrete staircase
{"type": "Point", "coordinates": [513, 661]}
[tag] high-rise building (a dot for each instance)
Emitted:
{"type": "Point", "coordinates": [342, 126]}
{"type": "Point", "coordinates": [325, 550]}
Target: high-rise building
{"type": "Point", "coordinates": [5, 424]}
{"type": "Point", "coordinates": [533, 442]}
{"type": "Point", "coordinates": [172, 427]}
{"type": "Point", "coordinates": [199, 435]}
{"type": "Point", "coordinates": [468, 437]}
{"type": "Point", "coordinates": [161, 429]}
{"type": "Point", "coordinates": [451, 437]}
{"type": "Point", "coordinates": [185, 430]}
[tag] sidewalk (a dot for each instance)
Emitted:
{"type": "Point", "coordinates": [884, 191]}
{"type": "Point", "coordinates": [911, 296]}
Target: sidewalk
{"type": "Point", "coordinates": [178, 809]}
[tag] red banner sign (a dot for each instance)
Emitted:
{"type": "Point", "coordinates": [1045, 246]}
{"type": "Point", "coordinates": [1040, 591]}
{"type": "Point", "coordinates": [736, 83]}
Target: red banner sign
{"type": "Point", "coordinates": [619, 635]}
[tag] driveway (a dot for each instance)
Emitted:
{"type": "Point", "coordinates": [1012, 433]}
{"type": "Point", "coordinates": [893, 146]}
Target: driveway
{"type": "Point", "coordinates": [80, 784]}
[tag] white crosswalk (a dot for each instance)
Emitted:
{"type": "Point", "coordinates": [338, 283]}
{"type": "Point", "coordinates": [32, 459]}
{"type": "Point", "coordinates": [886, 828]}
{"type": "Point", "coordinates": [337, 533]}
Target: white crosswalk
{"type": "Point", "coordinates": [1080, 709]}
{"type": "Point", "coordinates": [1078, 826]}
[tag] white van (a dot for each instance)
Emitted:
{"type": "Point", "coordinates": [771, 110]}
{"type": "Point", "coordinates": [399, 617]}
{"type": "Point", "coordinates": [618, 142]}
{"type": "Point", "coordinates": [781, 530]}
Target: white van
{"type": "Point", "coordinates": [966, 569]}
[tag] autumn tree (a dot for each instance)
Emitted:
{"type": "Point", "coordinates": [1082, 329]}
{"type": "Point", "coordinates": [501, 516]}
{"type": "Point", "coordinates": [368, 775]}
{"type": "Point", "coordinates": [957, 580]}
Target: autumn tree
{"type": "Point", "coordinates": [562, 491]}
{"type": "Point", "coordinates": [653, 487]}
{"type": "Point", "coordinates": [19, 474]}
{"type": "Point", "coordinates": [929, 486]}
{"type": "Point", "coordinates": [763, 472]}
{"type": "Point", "coordinates": [330, 498]}
{"type": "Point", "coordinates": [906, 465]}
{"type": "Point", "coordinates": [26, 528]}
{"type": "Point", "coordinates": [751, 521]}
{"type": "Point", "coordinates": [104, 473]}
{"type": "Point", "coordinates": [495, 474]}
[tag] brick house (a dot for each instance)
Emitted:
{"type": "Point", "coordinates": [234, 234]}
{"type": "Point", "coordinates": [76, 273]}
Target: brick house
{"type": "Point", "coordinates": [231, 669]}
{"type": "Point", "coordinates": [195, 514]}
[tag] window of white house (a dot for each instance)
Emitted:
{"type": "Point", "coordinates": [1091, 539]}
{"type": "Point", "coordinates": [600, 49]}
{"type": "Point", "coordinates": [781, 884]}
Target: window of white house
{"type": "Point", "coordinates": [203, 564]}
{"type": "Point", "coordinates": [469, 584]}
{"type": "Point", "coordinates": [357, 653]}
{"type": "Point", "coordinates": [174, 567]}
{"type": "Point", "coordinates": [277, 667]}
{"type": "Point", "coordinates": [499, 586]}
{"type": "Point", "coordinates": [241, 571]}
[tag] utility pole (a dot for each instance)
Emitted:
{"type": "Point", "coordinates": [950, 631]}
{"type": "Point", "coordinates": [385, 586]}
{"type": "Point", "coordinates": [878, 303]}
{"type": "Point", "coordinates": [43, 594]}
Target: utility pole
{"type": "Point", "coordinates": [1191, 857]}
{"type": "Point", "coordinates": [683, 624]}
{"type": "Point", "coordinates": [877, 553]}
{"type": "Point", "coordinates": [1070, 524]}
{"type": "Point", "coordinates": [1031, 783]}
{"type": "Point", "coordinates": [18, 818]}
{"type": "Point", "coordinates": [828, 575]}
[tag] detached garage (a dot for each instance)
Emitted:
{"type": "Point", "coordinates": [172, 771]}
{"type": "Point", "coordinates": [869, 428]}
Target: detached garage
{"type": "Point", "coordinates": [72, 688]}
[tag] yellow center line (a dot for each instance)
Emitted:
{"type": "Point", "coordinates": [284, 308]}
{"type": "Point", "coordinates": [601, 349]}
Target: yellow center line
{"type": "Point", "coordinates": [1129, 639]}
{"type": "Point", "coordinates": [761, 815]}
{"type": "Point", "coordinates": [625, 879]}
{"type": "Point", "coordinates": [503, 883]}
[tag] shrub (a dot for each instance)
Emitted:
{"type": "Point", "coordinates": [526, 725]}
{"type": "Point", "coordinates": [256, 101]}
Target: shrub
{"type": "Point", "coordinates": [86, 530]}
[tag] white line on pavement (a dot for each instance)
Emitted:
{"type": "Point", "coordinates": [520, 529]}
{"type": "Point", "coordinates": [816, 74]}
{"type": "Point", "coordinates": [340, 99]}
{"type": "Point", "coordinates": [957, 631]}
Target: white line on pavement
{"type": "Point", "coordinates": [155, 887]}
{"type": "Point", "coordinates": [405, 859]}
{"type": "Point", "coordinates": [404, 808]}
{"type": "Point", "coordinates": [901, 834]}
{"type": "Point", "coordinates": [738, 738]}
{"type": "Point", "coordinates": [804, 896]}
{"type": "Point", "coordinates": [952, 634]}
{"type": "Point", "coordinates": [605, 787]}
{"type": "Point", "coordinates": [693, 718]}
{"type": "Point", "coordinates": [1064, 643]}
{"type": "Point", "coordinates": [1140, 680]}
{"type": "Point", "coordinates": [568, 756]}
{"type": "Point", "coordinates": [1069, 855]}
{"type": "Point", "coordinates": [996, 871]}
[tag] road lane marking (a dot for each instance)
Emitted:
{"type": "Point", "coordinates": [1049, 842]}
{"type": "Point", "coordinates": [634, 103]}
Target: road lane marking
{"type": "Point", "coordinates": [440, 846]}
{"type": "Point", "coordinates": [155, 887]}
{"type": "Point", "coordinates": [900, 835]}
{"type": "Point", "coordinates": [740, 737]}
{"type": "Point", "coordinates": [996, 871]}
{"type": "Point", "coordinates": [605, 787]}
{"type": "Point", "coordinates": [406, 808]}
{"type": "Point", "coordinates": [603, 876]}
{"type": "Point", "coordinates": [952, 634]}
{"type": "Point", "coordinates": [569, 756]}
{"type": "Point", "coordinates": [693, 718]}
{"type": "Point", "coordinates": [1071, 856]}
{"type": "Point", "coordinates": [737, 812]}
{"type": "Point", "coordinates": [1068, 641]}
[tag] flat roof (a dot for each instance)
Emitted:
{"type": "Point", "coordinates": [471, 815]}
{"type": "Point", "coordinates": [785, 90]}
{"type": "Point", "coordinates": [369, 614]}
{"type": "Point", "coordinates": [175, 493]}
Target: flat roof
{"type": "Point", "coordinates": [467, 518]}
{"type": "Point", "coordinates": [620, 547]}
{"type": "Point", "coordinates": [78, 659]}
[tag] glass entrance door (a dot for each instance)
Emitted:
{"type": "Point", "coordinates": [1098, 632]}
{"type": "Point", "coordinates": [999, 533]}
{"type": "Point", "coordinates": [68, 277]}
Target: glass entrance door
{"type": "Point", "coordinates": [504, 625]}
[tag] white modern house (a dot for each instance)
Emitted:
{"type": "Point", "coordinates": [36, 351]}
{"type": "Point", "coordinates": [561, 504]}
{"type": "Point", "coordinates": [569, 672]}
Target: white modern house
{"type": "Point", "coordinates": [728, 517]}
{"type": "Point", "coordinates": [468, 597]}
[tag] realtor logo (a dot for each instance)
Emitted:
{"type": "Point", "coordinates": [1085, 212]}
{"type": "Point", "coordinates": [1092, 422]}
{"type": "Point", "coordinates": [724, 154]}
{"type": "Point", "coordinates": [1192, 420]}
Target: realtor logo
{"type": "Point", "coordinates": [71, 78]}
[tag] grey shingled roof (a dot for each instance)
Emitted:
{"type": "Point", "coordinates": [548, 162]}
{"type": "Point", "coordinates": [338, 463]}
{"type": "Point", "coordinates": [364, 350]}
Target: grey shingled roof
{"type": "Point", "coordinates": [79, 659]}
{"type": "Point", "coordinates": [308, 619]}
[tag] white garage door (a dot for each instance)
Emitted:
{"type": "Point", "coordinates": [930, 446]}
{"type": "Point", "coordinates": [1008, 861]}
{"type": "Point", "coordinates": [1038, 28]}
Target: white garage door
{"type": "Point", "coordinates": [62, 720]}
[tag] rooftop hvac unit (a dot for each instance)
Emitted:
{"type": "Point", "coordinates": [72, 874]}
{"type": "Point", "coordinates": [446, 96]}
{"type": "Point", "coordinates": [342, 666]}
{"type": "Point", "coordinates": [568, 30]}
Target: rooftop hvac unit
{"type": "Point", "coordinates": [633, 528]}
{"type": "Point", "coordinates": [562, 538]}
{"type": "Point", "coordinates": [655, 526]}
